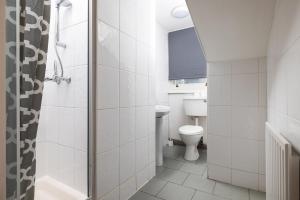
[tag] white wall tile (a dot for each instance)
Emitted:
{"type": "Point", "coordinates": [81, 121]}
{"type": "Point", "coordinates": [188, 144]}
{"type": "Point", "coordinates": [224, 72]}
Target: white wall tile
{"type": "Point", "coordinates": [128, 189]}
{"type": "Point", "coordinates": [152, 148]}
{"type": "Point", "coordinates": [293, 81]}
{"type": "Point", "coordinates": [107, 130]}
{"type": "Point", "coordinates": [66, 165]}
{"type": "Point", "coordinates": [107, 172]}
{"type": "Point", "coordinates": [245, 122]}
{"type": "Point", "coordinates": [80, 129]}
{"type": "Point", "coordinates": [245, 89]}
{"type": "Point", "coordinates": [66, 126]}
{"type": "Point", "coordinates": [108, 88]}
{"type": "Point", "coordinates": [143, 60]}
{"type": "Point", "coordinates": [127, 161]}
{"type": "Point", "coordinates": [127, 89]}
{"type": "Point", "coordinates": [220, 173]}
{"type": "Point", "coordinates": [128, 17]}
{"type": "Point", "coordinates": [108, 45]}
{"type": "Point", "coordinates": [114, 195]}
{"type": "Point", "coordinates": [245, 155]}
{"type": "Point", "coordinates": [142, 178]}
{"type": "Point", "coordinates": [142, 88]}
{"type": "Point", "coordinates": [141, 122]}
{"type": "Point", "coordinates": [262, 183]}
{"type": "Point", "coordinates": [263, 89]}
{"type": "Point", "coordinates": [127, 125]}
{"type": "Point", "coordinates": [245, 179]}
{"type": "Point", "coordinates": [127, 52]}
{"type": "Point", "coordinates": [245, 66]}
{"type": "Point", "coordinates": [53, 127]}
{"type": "Point", "coordinates": [108, 11]}
{"type": "Point", "coordinates": [53, 161]}
{"type": "Point", "coordinates": [218, 151]}
{"type": "Point", "coordinates": [75, 14]}
{"type": "Point", "coordinates": [76, 52]}
{"type": "Point", "coordinates": [79, 84]}
{"type": "Point", "coordinates": [262, 159]}
{"type": "Point", "coordinates": [141, 152]}
{"type": "Point", "coordinates": [219, 90]}
{"type": "Point", "coordinates": [218, 68]}
{"type": "Point", "coordinates": [219, 120]}
{"type": "Point", "coordinates": [262, 65]}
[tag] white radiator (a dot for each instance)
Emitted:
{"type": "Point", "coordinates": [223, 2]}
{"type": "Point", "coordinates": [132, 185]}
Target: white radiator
{"type": "Point", "coordinates": [282, 168]}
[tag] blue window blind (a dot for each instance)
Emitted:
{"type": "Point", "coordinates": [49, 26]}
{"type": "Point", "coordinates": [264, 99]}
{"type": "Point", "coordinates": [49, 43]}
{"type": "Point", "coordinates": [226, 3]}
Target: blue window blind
{"type": "Point", "coordinates": [186, 59]}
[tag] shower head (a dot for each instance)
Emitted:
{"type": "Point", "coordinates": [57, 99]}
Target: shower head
{"type": "Point", "coordinates": [64, 3]}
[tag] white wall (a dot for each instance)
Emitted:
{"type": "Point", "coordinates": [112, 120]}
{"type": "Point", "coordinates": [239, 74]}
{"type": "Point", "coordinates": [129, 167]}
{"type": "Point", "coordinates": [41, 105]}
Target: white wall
{"type": "Point", "coordinates": [125, 97]}
{"type": "Point", "coordinates": [162, 73]}
{"type": "Point", "coordinates": [62, 133]}
{"type": "Point", "coordinates": [236, 117]}
{"type": "Point", "coordinates": [284, 68]}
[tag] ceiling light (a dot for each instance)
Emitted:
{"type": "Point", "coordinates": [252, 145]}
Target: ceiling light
{"type": "Point", "coordinates": [180, 12]}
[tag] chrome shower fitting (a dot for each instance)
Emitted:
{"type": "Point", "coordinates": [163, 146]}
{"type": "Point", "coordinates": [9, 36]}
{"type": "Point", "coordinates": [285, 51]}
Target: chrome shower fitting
{"type": "Point", "coordinates": [57, 43]}
{"type": "Point", "coordinates": [56, 78]}
{"type": "Point", "coordinates": [64, 3]}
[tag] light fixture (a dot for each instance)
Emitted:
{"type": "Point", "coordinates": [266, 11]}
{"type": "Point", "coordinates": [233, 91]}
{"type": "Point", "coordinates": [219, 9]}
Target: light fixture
{"type": "Point", "coordinates": [180, 12]}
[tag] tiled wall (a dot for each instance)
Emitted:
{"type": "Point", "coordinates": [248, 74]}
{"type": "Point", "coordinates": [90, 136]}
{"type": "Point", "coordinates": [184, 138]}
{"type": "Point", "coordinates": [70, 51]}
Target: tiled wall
{"type": "Point", "coordinates": [284, 68]}
{"type": "Point", "coordinates": [236, 116]}
{"type": "Point", "coordinates": [125, 97]}
{"type": "Point", "coordinates": [62, 133]}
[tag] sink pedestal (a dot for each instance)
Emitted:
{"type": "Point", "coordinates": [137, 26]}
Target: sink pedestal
{"type": "Point", "coordinates": [159, 141]}
{"type": "Point", "coordinates": [160, 112]}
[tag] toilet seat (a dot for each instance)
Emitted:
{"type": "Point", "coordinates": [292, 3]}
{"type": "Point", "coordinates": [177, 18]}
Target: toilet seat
{"type": "Point", "coordinates": [191, 130]}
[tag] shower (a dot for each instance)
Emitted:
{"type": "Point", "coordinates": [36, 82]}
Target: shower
{"type": "Point", "coordinates": [57, 43]}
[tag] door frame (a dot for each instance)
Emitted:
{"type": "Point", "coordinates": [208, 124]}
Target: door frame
{"type": "Point", "coordinates": [2, 103]}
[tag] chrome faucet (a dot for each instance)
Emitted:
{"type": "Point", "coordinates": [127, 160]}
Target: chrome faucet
{"type": "Point", "coordinates": [56, 78]}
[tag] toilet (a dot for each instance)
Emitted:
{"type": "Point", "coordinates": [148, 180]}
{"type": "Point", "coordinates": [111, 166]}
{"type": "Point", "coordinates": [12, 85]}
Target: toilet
{"type": "Point", "coordinates": [191, 135]}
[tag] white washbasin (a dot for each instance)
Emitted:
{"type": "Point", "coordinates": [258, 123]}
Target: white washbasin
{"type": "Point", "coordinates": [161, 110]}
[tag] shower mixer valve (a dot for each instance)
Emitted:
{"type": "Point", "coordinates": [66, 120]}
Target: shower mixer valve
{"type": "Point", "coordinates": [56, 78]}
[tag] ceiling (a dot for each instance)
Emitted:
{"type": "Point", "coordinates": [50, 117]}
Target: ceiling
{"type": "Point", "coordinates": [233, 29]}
{"type": "Point", "coordinates": [164, 17]}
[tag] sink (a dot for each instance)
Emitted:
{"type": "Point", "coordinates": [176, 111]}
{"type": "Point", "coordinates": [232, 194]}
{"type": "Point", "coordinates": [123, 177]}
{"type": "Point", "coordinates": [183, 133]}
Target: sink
{"type": "Point", "coordinates": [161, 110]}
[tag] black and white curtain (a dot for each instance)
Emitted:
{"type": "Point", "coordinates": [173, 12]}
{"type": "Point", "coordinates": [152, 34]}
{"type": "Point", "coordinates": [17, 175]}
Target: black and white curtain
{"type": "Point", "coordinates": [35, 18]}
{"type": "Point", "coordinates": [34, 34]}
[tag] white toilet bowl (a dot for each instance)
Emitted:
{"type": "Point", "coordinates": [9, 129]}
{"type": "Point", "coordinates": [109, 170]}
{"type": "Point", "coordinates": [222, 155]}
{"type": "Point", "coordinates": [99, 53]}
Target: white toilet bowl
{"type": "Point", "coordinates": [191, 136]}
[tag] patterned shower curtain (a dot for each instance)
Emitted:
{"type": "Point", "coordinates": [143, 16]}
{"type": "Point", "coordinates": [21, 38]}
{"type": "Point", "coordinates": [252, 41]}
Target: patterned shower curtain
{"type": "Point", "coordinates": [35, 18]}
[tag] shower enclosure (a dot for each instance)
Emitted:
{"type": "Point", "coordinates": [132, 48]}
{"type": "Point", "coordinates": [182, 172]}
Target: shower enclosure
{"type": "Point", "coordinates": [100, 68]}
{"type": "Point", "coordinates": [49, 153]}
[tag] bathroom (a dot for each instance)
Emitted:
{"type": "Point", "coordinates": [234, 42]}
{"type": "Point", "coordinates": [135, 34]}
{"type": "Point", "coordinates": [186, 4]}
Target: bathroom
{"type": "Point", "coordinates": [149, 99]}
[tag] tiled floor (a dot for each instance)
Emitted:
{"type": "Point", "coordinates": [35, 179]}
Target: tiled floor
{"type": "Point", "coordinates": [182, 180]}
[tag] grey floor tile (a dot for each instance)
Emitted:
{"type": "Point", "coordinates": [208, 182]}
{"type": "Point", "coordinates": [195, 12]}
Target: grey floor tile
{"type": "Point", "coordinates": [159, 169]}
{"type": "Point", "coordinates": [198, 183]}
{"type": "Point", "coordinates": [173, 164]}
{"type": "Point", "coordinates": [194, 168]}
{"type": "Point", "coordinates": [176, 192]}
{"type": "Point", "coordinates": [231, 192]}
{"type": "Point", "coordinates": [254, 195]}
{"type": "Point", "coordinates": [205, 196]}
{"type": "Point", "coordinates": [173, 176]}
{"type": "Point", "coordinates": [174, 152]}
{"type": "Point", "coordinates": [154, 186]}
{"type": "Point", "coordinates": [143, 196]}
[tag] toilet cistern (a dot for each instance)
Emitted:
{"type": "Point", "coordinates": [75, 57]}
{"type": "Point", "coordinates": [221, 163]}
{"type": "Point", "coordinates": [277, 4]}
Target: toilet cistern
{"type": "Point", "coordinates": [160, 111]}
{"type": "Point", "coordinates": [195, 107]}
